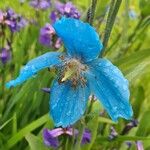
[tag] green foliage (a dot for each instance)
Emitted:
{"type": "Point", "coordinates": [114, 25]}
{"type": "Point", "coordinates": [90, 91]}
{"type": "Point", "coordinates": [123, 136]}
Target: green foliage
{"type": "Point", "coordinates": [144, 6]}
{"type": "Point", "coordinates": [35, 142]}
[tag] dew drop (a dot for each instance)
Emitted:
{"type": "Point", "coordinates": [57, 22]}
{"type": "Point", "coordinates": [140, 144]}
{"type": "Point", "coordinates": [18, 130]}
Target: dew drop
{"type": "Point", "coordinates": [124, 87]}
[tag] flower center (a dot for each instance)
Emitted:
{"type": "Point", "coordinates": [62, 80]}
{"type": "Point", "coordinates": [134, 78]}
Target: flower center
{"type": "Point", "coordinates": [73, 70]}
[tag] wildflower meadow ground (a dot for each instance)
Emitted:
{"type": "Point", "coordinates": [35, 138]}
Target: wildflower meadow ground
{"type": "Point", "coordinates": [74, 75]}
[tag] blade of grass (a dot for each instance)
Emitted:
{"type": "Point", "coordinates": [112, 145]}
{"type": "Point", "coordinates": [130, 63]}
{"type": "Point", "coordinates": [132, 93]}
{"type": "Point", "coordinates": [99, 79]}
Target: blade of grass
{"type": "Point", "coordinates": [5, 123]}
{"type": "Point", "coordinates": [124, 138]}
{"type": "Point", "coordinates": [29, 128]}
{"type": "Point", "coordinates": [91, 12]}
{"type": "Point", "coordinates": [110, 22]}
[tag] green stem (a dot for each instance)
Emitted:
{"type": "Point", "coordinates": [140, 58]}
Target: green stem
{"type": "Point", "coordinates": [110, 22]}
{"type": "Point", "coordinates": [124, 35]}
{"type": "Point", "coordinates": [106, 34]}
{"type": "Point", "coordinates": [37, 14]}
{"type": "Point", "coordinates": [138, 34]}
{"type": "Point", "coordinates": [64, 145]}
{"type": "Point", "coordinates": [91, 105]}
{"type": "Point", "coordinates": [4, 35]}
{"type": "Point", "coordinates": [136, 28]}
{"type": "Point", "coordinates": [77, 146]}
{"type": "Point", "coordinates": [73, 138]}
{"type": "Point", "coordinates": [91, 12]}
{"type": "Point", "coordinates": [3, 81]}
{"type": "Point", "coordinates": [79, 139]}
{"type": "Point", "coordinates": [123, 138]}
{"type": "Point", "coordinates": [140, 27]}
{"type": "Point", "coordinates": [3, 68]}
{"type": "Point", "coordinates": [114, 43]}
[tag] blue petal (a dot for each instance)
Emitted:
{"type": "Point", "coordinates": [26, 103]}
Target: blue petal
{"type": "Point", "coordinates": [32, 67]}
{"type": "Point", "coordinates": [80, 39]}
{"type": "Point", "coordinates": [111, 88]}
{"type": "Point", "coordinates": [67, 104]}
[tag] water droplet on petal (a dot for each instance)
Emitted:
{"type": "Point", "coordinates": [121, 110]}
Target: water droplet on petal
{"type": "Point", "coordinates": [124, 87]}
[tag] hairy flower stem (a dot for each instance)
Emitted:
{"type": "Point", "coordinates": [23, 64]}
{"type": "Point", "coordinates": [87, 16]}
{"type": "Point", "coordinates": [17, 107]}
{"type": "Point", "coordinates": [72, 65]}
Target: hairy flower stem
{"type": "Point", "coordinates": [91, 12]}
{"type": "Point", "coordinates": [73, 139]}
{"type": "Point", "coordinates": [37, 14]}
{"type": "Point", "coordinates": [91, 104]}
{"type": "Point", "coordinates": [64, 144]}
{"type": "Point", "coordinates": [3, 81]}
{"type": "Point", "coordinates": [81, 131]}
{"type": "Point", "coordinates": [79, 139]}
{"type": "Point", "coordinates": [3, 68]}
{"type": "Point", "coordinates": [114, 7]}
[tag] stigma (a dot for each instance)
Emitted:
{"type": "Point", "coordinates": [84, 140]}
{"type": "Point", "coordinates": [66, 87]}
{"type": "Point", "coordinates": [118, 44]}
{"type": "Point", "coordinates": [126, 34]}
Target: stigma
{"type": "Point", "coordinates": [73, 70]}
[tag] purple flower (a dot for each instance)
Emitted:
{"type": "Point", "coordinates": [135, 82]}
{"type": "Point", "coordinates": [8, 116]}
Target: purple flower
{"type": "Point", "coordinates": [139, 145]}
{"type": "Point", "coordinates": [14, 21]}
{"type": "Point", "coordinates": [11, 13]}
{"type": "Point", "coordinates": [129, 144]}
{"type": "Point", "coordinates": [48, 37]}
{"type": "Point", "coordinates": [22, 22]}
{"type": "Point", "coordinates": [61, 9]}
{"type": "Point", "coordinates": [86, 137]}
{"type": "Point", "coordinates": [5, 55]}
{"type": "Point", "coordinates": [51, 136]}
{"type": "Point", "coordinates": [46, 90]}
{"type": "Point", "coordinates": [54, 16]}
{"type": "Point", "coordinates": [58, 43]}
{"type": "Point", "coordinates": [129, 126]}
{"type": "Point", "coordinates": [17, 22]}
{"type": "Point", "coordinates": [68, 10]}
{"type": "Point", "coordinates": [46, 34]}
{"type": "Point", "coordinates": [1, 16]}
{"type": "Point", "coordinates": [40, 4]}
{"type": "Point", "coordinates": [113, 133]}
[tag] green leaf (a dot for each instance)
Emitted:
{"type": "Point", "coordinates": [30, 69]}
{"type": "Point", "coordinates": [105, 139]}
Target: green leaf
{"type": "Point", "coordinates": [5, 123]}
{"type": "Point", "coordinates": [124, 138]}
{"type": "Point", "coordinates": [138, 70]}
{"type": "Point", "coordinates": [105, 120]}
{"type": "Point", "coordinates": [135, 64]}
{"type": "Point", "coordinates": [133, 59]}
{"type": "Point", "coordinates": [82, 3]}
{"type": "Point", "coordinates": [101, 7]}
{"type": "Point", "coordinates": [23, 132]}
{"type": "Point", "coordinates": [93, 125]}
{"type": "Point", "coordinates": [145, 7]}
{"type": "Point", "coordinates": [139, 99]}
{"type": "Point", "coordinates": [35, 142]}
{"type": "Point", "coordinates": [144, 126]}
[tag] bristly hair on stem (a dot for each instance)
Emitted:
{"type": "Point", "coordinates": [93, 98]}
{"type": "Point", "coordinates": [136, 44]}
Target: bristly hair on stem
{"type": "Point", "coordinates": [79, 139]}
{"type": "Point", "coordinates": [91, 12]}
{"type": "Point", "coordinates": [114, 7]}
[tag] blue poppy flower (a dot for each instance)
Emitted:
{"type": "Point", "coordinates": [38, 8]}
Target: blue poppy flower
{"type": "Point", "coordinates": [80, 73]}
